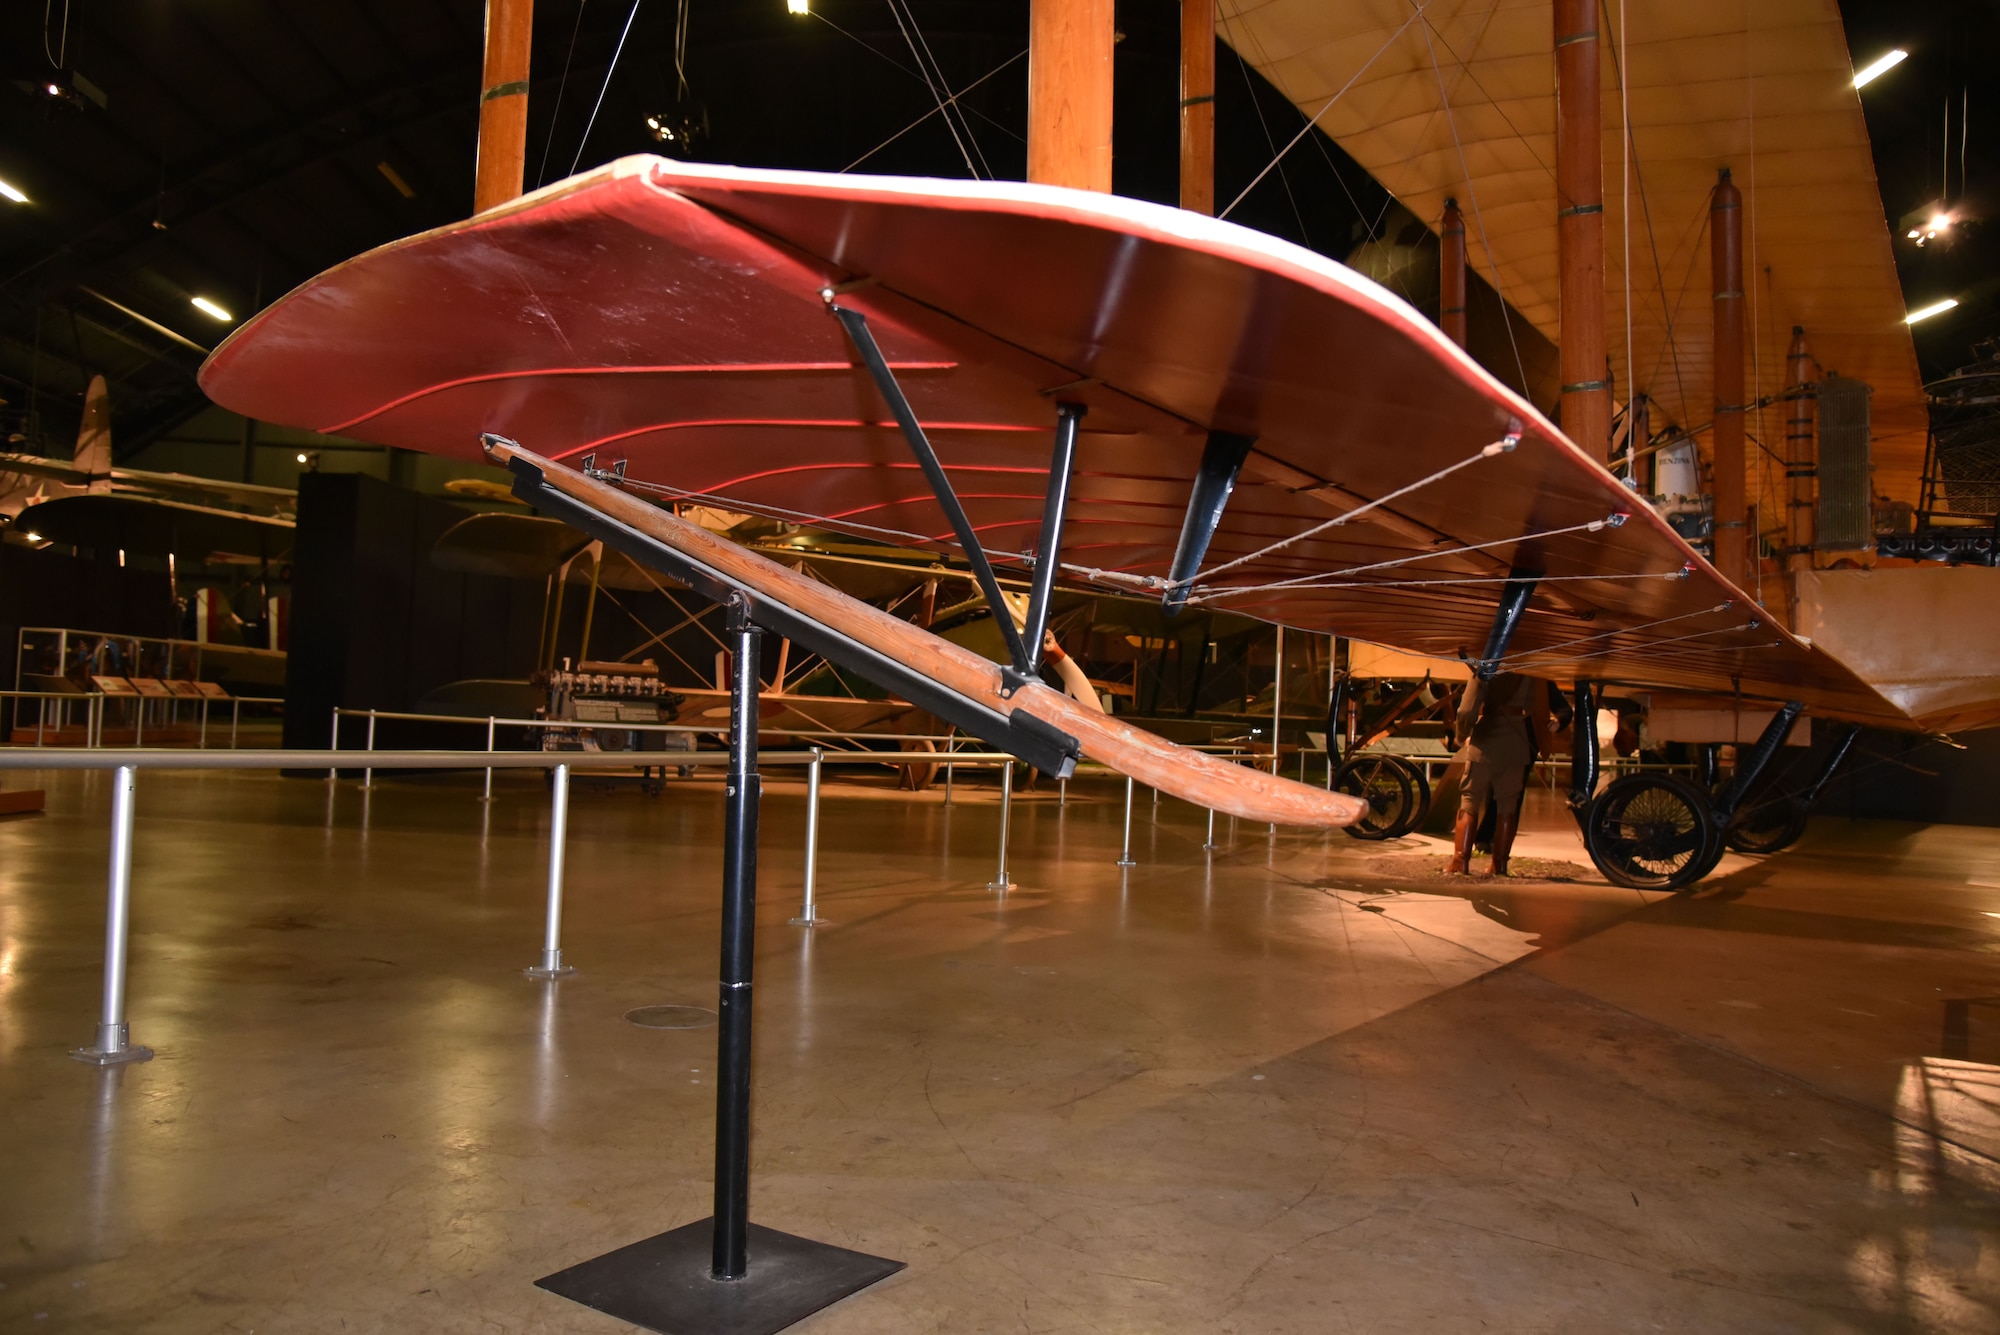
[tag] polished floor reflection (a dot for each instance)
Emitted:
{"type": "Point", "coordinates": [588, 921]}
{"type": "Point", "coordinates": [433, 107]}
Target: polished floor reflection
{"type": "Point", "coordinates": [1299, 1084]}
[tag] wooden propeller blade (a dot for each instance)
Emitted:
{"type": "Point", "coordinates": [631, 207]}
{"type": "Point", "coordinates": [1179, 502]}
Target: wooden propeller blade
{"type": "Point", "coordinates": [1190, 775]}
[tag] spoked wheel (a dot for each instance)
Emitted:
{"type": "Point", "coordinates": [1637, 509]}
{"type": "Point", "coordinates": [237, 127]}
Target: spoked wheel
{"type": "Point", "coordinates": [1420, 803]}
{"type": "Point", "coordinates": [1384, 783]}
{"type": "Point", "coordinates": [1652, 832]}
{"type": "Point", "coordinates": [1768, 826]}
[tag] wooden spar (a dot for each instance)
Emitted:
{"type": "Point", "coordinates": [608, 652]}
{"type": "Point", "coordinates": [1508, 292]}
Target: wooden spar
{"type": "Point", "coordinates": [1069, 92]}
{"type": "Point", "coordinates": [1235, 790]}
{"type": "Point", "coordinates": [1451, 273]}
{"type": "Point", "coordinates": [503, 104]}
{"type": "Point", "coordinates": [1198, 106]}
{"type": "Point", "coordinates": [1586, 387]}
{"type": "Point", "coordinates": [1725, 252]}
{"type": "Point", "coordinates": [1801, 451]}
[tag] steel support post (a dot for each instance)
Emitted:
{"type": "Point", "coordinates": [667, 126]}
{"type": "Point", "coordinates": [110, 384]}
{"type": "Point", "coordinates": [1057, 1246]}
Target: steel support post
{"type": "Point", "coordinates": [333, 742]}
{"type": "Point", "coordinates": [235, 721]}
{"type": "Point", "coordinates": [809, 910]}
{"type": "Point", "coordinates": [1209, 843]}
{"type": "Point", "coordinates": [1000, 881]}
{"type": "Point", "coordinates": [739, 921]}
{"type": "Point", "coordinates": [552, 965]}
{"type": "Point", "coordinates": [368, 775]}
{"type": "Point", "coordinates": [1125, 858]}
{"type": "Point", "coordinates": [113, 1034]}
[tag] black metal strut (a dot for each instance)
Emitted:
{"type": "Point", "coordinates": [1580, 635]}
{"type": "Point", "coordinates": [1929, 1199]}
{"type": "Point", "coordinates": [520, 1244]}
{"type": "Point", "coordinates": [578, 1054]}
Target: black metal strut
{"type": "Point", "coordinates": [1221, 460]}
{"type": "Point", "coordinates": [1750, 768]}
{"type": "Point", "coordinates": [1069, 419]}
{"type": "Point", "coordinates": [1838, 754]}
{"type": "Point", "coordinates": [1514, 595]}
{"type": "Point", "coordinates": [1583, 748]}
{"type": "Point", "coordinates": [856, 325]}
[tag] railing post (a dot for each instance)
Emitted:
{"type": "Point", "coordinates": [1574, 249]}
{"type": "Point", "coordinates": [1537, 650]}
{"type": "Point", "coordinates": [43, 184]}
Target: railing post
{"type": "Point", "coordinates": [487, 796]}
{"type": "Point", "coordinates": [809, 911]}
{"type": "Point", "coordinates": [235, 718]}
{"type": "Point", "coordinates": [950, 745]}
{"type": "Point", "coordinates": [1000, 881]}
{"type": "Point", "coordinates": [1125, 858]}
{"type": "Point", "coordinates": [333, 743]}
{"type": "Point", "coordinates": [552, 965]}
{"type": "Point", "coordinates": [113, 1034]}
{"type": "Point", "coordinates": [201, 741]}
{"type": "Point", "coordinates": [368, 775]}
{"type": "Point", "coordinates": [1209, 844]}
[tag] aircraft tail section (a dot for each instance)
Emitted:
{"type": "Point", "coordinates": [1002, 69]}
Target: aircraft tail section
{"type": "Point", "coordinates": [93, 438]}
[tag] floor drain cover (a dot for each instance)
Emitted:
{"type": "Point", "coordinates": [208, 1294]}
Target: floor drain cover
{"type": "Point", "coordinates": [671, 1017]}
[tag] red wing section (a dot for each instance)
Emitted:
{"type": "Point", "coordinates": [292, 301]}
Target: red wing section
{"type": "Point", "coordinates": [671, 315]}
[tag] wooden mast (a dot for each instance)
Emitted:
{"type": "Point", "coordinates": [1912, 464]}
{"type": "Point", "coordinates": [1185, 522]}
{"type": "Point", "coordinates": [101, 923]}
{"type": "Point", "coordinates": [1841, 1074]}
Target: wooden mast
{"type": "Point", "coordinates": [1725, 252]}
{"type": "Point", "coordinates": [1801, 451]}
{"type": "Point", "coordinates": [1069, 92]}
{"type": "Point", "coordinates": [503, 104]}
{"type": "Point", "coordinates": [1586, 391]}
{"type": "Point", "coordinates": [1451, 273]}
{"type": "Point", "coordinates": [1198, 106]}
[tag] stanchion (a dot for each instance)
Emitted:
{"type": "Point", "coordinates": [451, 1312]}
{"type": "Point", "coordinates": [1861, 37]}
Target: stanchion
{"type": "Point", "coordinates": [1000, 881]}
{"type": "Point", "coordinates": [368, 775]}
{"type": "Point", "coordinates": [950, 745]}
{"type": "Point", "coordinates": [1125, 858]}
{"type": "Point", "coordinates": [724, 1274]}
{"type": "Point", "coordinates": [552, 965]}
{"type": "Point", "coordinates": [487, 796]}
{"type": "Point", "coordinates": [235, 718]}
{"type": "Point", "coordinates": [113, 1034]}
{"type": "Point", "coordinates": [809, 911]}
{"type": "Point", "coordinates": [1209, 844]}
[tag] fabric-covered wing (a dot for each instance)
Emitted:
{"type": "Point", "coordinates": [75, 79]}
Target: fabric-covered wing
{"type": "Point", "coordinates": [671, 315]}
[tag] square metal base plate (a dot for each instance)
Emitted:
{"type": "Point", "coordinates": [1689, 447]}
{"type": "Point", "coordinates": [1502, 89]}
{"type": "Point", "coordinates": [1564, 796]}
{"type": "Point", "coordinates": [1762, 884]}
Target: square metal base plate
{"type": "Point", "coordinates": [663, 1283]}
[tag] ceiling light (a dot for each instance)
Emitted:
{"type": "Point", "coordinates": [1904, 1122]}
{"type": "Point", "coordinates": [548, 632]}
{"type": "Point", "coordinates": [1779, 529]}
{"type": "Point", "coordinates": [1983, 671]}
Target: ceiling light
{"type": "Point", "coordinates": [12, 193]}
{"type": "Point", "coordinates": [1914, 234]}
{"type": "Point", "coordinates": [207, 307]}
{"type": "Point", "coordinates": [302, 456]}
{"type": "Point", "coordinates": [1880, 67]}
{"type": "Point", "coordinates": [32, 537]}
{"type": "Point", "coordinates": [797, 7]}
{"type": "Point", "coordinates": [1937, 308]}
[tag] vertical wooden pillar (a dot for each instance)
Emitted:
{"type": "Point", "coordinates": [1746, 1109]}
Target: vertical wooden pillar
{"type": "Point", "coordinates": [1725, 252]}
{"type": "Point", "coordinates": [1451, 273]}
{"type": "Point", "coordinates": [1586, 390]}
{"type": "Point", "coordinates": [1801, 451]}
{"type": "Point", "coordinates": [503, 104]}
{"type": "Point", "coordinates": [1069, 92]}
{"type": "Point", "coordinates": [1198, 106]}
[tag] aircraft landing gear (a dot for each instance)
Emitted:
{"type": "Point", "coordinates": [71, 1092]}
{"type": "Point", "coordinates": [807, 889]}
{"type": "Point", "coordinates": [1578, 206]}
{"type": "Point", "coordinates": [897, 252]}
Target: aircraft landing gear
{"type": "Point", "coordinates": [1385, 783]}
{"type": "Point", "coordinates": [1652, 832]}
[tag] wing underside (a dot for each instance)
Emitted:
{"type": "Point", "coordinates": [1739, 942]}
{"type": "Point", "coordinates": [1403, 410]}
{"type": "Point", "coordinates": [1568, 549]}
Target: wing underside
{"type": "Point", "coordinates": [672, 316]}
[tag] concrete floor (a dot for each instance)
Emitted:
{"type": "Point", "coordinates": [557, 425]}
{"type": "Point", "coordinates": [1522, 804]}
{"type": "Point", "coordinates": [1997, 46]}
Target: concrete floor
{"type": "Point", "coordinates": [1298, 1086]}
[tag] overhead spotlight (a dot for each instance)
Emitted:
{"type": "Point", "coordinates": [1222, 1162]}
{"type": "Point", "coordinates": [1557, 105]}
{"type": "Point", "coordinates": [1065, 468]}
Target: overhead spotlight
{"type": "Point", "coordinates": [1915, 233]}
{"type": "Point", "coordinates": [680, 127]}
{"type": "Point", "coordinates": [797, 6]}
{"type": "Point", "coordinates": [1936, 308]}
{"type": "Point", "coordinates": [209, 308]}
{"type": "Point", "coordinates": [1880, 67]}
{"type": "Point", "coordinates": [10, 192]}
{"type": "Point", "coordinates": [32, 537]}
{"type": "Point", "coordinates": [310, 460]}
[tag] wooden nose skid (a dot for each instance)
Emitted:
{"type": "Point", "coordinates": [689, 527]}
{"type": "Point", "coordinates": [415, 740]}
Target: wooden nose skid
{"type": "Point", "coordinates": [1176, 770]}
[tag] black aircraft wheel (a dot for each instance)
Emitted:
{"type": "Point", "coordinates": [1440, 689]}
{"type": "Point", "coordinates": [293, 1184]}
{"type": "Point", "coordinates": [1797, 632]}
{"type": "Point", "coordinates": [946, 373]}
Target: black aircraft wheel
{"type": "Point", "coordinates": [1652, 832]}
{"type": "Point", "coordinates": [1385, 783]}
{"type": "Point", "coordinates": [1768, 826]}
{"type": "Point", "coordinates": [1420, 799]}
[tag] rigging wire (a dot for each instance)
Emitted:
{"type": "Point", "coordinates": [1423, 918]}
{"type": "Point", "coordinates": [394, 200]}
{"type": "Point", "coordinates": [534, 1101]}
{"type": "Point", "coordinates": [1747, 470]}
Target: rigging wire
{"type": "Point", "coordinates": [1317, 580]}
{"type": "Point", "coordinates": [950, 124]}
{"type": "Point", "coordinates": [932, 112]}
{"type": "Point", "coordinates": [1613, 634]}
{"type": "Point", "coordinates": [1257, 105]}
{"type": "Point", "coordinates": [542, 171]}
{"type": "Point", "coordinates": [1472, 198]}
{"type": "Point", "coordinates": [1654, 646]}
{"type": "Point", "coordinates": [956, 99]}
{"type": "Point", "coordinates": [609, 72]}
{"type": "Point", "coordinates": [1625, 224]}
{"type": "Point", "coordinates": [61, 53]}
{"type": "Point", "coordinates": [1505, 445]}
{"type": "Point", "coordinates": [1314, 119]}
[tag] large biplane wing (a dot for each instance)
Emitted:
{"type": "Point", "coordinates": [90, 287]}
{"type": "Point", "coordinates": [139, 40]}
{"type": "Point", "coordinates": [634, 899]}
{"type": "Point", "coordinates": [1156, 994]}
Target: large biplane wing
{"type": "Point", "coordinates": [677, 317]}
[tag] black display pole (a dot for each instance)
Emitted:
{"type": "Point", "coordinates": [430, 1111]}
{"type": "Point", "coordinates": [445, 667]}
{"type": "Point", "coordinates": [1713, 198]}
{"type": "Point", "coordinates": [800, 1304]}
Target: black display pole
{"type": "Point", "coordinates": [739, 932]}
{"type": "Point", "coordinates": [725, 1275]}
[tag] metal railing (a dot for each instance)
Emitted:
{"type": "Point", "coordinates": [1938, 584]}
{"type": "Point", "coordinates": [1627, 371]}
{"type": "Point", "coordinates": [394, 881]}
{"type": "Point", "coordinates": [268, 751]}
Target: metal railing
{"type": "Point", "coordinates": [96, 708]}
